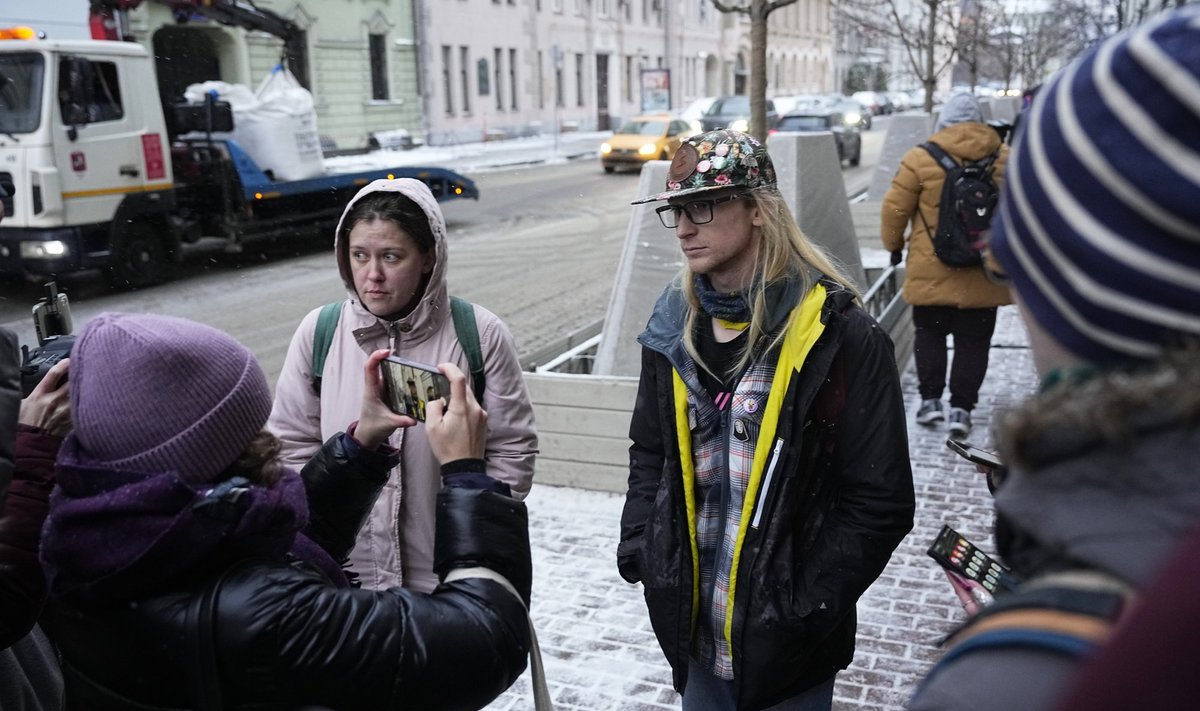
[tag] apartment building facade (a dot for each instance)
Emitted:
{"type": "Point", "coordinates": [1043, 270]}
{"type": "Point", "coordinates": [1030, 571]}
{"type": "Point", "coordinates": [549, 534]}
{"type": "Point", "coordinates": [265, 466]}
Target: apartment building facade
{"type": "Point", "coordinates": [502, 68]}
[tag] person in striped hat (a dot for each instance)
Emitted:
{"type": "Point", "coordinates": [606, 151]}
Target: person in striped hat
{"type": "Point", "coordinates": [1099, 233]}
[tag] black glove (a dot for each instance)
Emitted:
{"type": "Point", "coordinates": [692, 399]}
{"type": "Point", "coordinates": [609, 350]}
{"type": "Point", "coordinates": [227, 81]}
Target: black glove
{"type": "Point", "coordinates": [897, 257]}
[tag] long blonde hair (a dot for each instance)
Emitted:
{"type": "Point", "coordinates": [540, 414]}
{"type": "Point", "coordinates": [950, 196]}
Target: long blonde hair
{"type": "Point", "coordinates": [783, 251]}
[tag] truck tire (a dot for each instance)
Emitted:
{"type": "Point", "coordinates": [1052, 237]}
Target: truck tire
{"type": "Point", "coordinates": [140, 257]}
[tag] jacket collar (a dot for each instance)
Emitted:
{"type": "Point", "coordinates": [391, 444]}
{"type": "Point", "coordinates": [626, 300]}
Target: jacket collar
{"type": "Point", "coordinates": [664, 330]}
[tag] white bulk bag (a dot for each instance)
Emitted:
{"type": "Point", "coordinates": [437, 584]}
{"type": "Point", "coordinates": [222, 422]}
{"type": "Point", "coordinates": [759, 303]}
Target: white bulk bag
{"type": "Point", "coordinates": [276, 125]}
{"type": "Point", "coordinates": [281, 130]}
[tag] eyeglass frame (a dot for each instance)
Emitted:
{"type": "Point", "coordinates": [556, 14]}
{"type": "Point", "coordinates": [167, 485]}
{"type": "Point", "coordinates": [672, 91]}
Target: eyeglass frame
{"type": "Point", "coordinates": [663, 211]}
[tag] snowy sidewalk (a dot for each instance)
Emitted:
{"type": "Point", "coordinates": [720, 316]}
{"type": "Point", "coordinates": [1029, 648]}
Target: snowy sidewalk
{"type": "Point", "coordinates": [601, 654]}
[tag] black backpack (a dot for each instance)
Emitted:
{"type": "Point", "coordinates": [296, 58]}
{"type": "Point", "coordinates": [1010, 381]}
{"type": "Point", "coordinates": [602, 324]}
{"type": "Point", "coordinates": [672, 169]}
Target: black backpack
{"type": "Point", "coordinates": [969, 197]}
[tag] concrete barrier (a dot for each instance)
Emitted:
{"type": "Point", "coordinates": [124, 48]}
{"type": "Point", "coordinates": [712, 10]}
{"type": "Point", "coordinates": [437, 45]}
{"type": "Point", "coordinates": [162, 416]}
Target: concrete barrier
{"type": "Point", "coordinates": [583, 429]}
{"type": "Point", "coordinates": [905, 131]}
{"type": "Point", "coordinates": [649, 260]}
{"type": "Point", "coordinates": [810, 179]}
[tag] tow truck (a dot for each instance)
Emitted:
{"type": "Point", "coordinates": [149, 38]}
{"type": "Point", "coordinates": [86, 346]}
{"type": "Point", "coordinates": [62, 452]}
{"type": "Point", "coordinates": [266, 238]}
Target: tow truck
{"type": "Point", "coordinates": [102, 179]}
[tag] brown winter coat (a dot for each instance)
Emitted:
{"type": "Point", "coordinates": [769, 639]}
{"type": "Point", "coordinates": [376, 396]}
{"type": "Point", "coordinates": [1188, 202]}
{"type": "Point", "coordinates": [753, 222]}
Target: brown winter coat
{"type": "Point", "coordinates": [918, 184]}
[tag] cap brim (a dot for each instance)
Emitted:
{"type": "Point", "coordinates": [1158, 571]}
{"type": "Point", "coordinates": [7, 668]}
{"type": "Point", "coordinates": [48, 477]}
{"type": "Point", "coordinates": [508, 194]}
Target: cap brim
{"type": "Point", "coordinates": [668, 194]}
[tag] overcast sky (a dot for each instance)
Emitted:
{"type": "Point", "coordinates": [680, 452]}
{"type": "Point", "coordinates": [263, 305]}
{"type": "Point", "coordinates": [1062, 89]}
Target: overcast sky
{"type": "Point", "coordinates": [59, 19]}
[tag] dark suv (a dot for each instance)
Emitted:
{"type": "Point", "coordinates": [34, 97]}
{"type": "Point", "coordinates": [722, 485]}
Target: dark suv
{"type": "Point", "coordinates": [734, 112]}
{"type": "Point", "coordinates": [847, 135]}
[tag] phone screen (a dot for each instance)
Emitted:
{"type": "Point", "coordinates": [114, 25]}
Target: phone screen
{"type": "Point", "coordinates": [410, 386]}
{"type": "Point", "coordinates": [974, 454]}
{"type": "Point", "coordinates": [953, 551]}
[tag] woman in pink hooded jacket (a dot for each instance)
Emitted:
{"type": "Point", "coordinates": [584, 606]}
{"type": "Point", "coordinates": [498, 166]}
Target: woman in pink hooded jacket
{"type": "Point", "coordinates": [391, 253]}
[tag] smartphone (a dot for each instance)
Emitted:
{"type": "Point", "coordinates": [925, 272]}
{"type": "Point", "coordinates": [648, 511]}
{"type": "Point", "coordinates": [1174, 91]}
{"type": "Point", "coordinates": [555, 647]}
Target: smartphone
{"type": "Point", "coordinates": [975, 454]}
{"type": "Point", "coordinates": [408, 386]}
{"type": "Point", "coordinates": [957, 554]}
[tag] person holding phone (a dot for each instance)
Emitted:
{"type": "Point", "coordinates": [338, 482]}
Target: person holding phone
{"type": "Point", "coordinates": [391, 254]}
{"type": "Point", "coordinates": [1097, 233]}
{"type": "Point", "coordinates": [30, 675]}
{"type": "Point", "coordinates": [188, 568]}
{"type": "Point", "coordinates": [769, 479]}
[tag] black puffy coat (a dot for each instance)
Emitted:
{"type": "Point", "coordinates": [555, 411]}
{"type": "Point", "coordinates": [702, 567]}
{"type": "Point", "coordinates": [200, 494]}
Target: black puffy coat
{"type": "Point", "coordinates": [284, 637]}
{"type": "Point", "coordinates": [844, 502]}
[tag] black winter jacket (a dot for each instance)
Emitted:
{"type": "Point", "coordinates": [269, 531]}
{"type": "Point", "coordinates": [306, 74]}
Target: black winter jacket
{"type": "Point", "coordinates": [284, 637]}
{"type": "Point", "coordinates": [845, 501]}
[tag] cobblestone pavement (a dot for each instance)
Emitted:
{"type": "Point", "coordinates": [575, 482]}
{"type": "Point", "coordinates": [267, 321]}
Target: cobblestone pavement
{"type": "Point", "coordinates": [600, 652]}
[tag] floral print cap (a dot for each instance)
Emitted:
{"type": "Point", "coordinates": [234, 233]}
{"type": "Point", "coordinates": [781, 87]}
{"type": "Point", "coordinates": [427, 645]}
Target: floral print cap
{"type": "Point", "coordinates": [718, 159]}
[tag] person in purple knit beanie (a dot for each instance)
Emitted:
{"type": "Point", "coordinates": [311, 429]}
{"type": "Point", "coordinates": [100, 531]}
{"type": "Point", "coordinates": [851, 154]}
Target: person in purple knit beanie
{"type": "Point", "coordinates": [187, 568]}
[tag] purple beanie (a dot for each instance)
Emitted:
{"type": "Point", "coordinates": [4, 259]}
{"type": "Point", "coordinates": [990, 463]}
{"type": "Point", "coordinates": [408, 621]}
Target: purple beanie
{"type": "Point", "coordinates": [153, 394]}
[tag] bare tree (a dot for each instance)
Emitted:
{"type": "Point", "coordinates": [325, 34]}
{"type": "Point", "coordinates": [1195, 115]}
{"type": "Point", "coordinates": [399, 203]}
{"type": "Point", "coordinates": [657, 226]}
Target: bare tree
{"type": "Point", "coordinates": [1093, 20]}
{"type": "Point", "coordinates": [979, 39]}
{"type": "Point", "coordinates": [926, 29]}
{"type": "Point", "coordinates": [758, 11]}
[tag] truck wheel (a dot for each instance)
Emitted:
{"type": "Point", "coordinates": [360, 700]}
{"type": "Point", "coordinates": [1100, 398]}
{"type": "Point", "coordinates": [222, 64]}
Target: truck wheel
{"type": "Point", "coordinates": [857, 156]}
{"type": "Point", "coordinates": [139, 257]}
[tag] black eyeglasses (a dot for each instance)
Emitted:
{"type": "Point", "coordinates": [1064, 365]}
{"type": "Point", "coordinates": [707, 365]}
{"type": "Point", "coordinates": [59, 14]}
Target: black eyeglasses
{"type": "Point", "coordinates": [700, 212]}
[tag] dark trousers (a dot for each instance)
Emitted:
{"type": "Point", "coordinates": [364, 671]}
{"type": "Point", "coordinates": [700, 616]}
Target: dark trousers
{"type": "Point", "coordinates": [972, 330]}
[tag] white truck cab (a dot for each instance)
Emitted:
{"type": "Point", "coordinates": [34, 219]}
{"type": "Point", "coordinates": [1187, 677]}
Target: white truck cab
{"type": "Point", "coordinates": [83, 141]}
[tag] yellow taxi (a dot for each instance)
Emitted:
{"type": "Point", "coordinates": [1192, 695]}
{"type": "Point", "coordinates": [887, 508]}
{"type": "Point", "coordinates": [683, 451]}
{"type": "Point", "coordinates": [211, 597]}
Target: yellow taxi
{"type": "Point", "coordinates": [644, 138]}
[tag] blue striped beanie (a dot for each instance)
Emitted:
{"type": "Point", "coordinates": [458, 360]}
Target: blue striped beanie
{"type": "Point", "coordinates": [1099, 221]}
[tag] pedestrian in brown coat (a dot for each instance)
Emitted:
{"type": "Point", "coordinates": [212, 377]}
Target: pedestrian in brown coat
{"type": "Point", "coordinates": [947, 301]}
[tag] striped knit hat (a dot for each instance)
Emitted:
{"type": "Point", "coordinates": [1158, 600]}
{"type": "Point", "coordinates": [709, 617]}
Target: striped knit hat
{"type": "Point", "coordinates": [1099, 223]}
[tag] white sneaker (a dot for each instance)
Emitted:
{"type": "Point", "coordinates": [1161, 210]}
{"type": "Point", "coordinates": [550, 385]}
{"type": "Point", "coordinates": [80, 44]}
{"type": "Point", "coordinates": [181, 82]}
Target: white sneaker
{"type": "Point", "coordinates": [930, 412]}
{"type": "Point", "coordinates": [960, 422]}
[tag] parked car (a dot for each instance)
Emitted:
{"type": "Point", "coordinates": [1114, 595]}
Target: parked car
{"type": "Point", "coordinates": [845, 133]}
{"type": "Point", "coordinates": [645, 138]}
{"type": "Point", "coordinates": [876, 102]}
{"type": "Point", "coordinates": [856, 113]}
{"type": "Point", "coordinates": [695, 110]}
{"type": "Point", "coordinates": [734, 112]}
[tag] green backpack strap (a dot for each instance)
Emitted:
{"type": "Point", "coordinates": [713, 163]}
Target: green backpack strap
{"type": "Point", "coordinates": [327, 322]}
{"type": "Point", "coordinates": [463, 312]}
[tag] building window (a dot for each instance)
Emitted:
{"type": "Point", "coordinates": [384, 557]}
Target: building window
{"type": "Point", "coordinates": [602, 8]}
{"type": "Point", "coordinates": [499, 53]}
{"type": "Point", "coordinates": [556, 5]}
{"type": "Point", "coordinates": [579, 80]}
{"type": "Point", "coordinates": [629, 79]}
{"type": "Point", "coordinates": [512, 76]}
{"type": "Point", "coordinates": [464, 75]}
{"type": "Point", "coordinates": [482, 77]}
{"type": "Point", "coordinates": [379, 70]}
{"type": "Point", "coordinates": [447, 86]}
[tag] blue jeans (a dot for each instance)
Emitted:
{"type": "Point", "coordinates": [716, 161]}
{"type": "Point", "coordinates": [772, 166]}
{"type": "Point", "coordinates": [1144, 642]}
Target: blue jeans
{"type": "Point", "coordinates": [706, 692]}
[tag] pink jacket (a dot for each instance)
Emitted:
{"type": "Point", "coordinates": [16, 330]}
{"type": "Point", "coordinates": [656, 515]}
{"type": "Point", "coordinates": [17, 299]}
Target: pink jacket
{"type": "Point", "coordinates": [395, 546]}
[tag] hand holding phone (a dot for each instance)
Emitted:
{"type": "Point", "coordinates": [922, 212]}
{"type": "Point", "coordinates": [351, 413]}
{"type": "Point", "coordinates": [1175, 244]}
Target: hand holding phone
{"type": "Point", "coordinates": [377, 421]}
{"type": "Point", "coordinates": [457, 429]}
{"type": "Point", "coordinates": [985, 462]}
{"type": "Point", "coordinates": [957, 554]}
{"type": "Point", "coordinates": [410, 386]}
